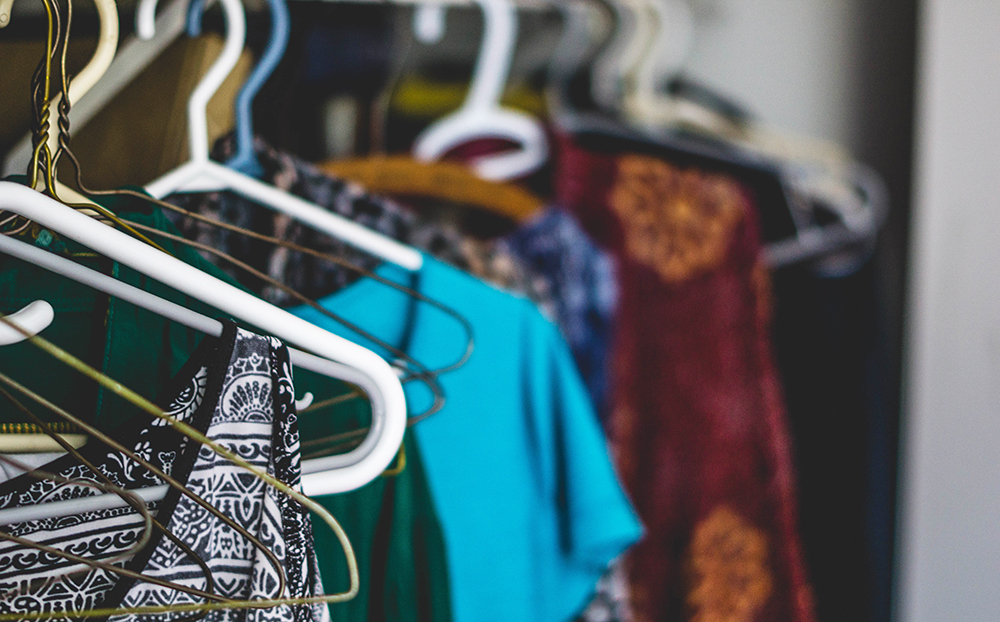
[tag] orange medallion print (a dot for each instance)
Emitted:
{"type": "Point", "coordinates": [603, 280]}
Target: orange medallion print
{"type": "Point", "coordinates": [677, 221]}
{"type": "Point", "coordinates": [729, 569]}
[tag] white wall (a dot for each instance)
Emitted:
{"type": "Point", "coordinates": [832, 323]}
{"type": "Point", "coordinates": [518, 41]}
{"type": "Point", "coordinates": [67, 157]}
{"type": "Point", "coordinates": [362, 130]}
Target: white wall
{"type": "Point", "coordinates": [949, 545]}
{"type": "Point", "coordinates": [788, 60]}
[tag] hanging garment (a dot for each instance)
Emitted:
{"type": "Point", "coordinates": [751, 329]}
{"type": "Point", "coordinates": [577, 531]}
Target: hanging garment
{"type": "Point", "coordinates": [578, 280]}
{"type": "Point", "coordinates": [309, 275]}
{"type": "Point", "coordinates": [394, 528]}
{"type": "Point", "coordinates": [530, 507]}
{"type": "Point", "coordinates": [573, 283]}
{"type": "Point", "coordinates": [237, 390]}
{"type": "Point", "coordinates": [548, 258]}
{"type": "Point", "coordinates": [144, 351]}
{"type": "Point", "coordinates": [391, 522]}
{"type": "Point", "coordinates": [697, 424]}
{"type": "Point", "coordinates": [571, 280]}
{"type": "Point", "coordinates": [579, 285]}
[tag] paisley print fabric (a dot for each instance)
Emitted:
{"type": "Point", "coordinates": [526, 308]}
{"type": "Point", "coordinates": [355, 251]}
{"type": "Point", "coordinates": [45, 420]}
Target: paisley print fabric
{"type": "Point", "coordinates": [315, 277]}
{"type": "Point", "coordinates": [238, 391]}
{"type": "Point", "coordinates": [306, 274]}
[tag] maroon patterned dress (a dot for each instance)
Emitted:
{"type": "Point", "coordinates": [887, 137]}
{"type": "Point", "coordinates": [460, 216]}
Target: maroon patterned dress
{"type": "Point", "coordinates": [698, 423]}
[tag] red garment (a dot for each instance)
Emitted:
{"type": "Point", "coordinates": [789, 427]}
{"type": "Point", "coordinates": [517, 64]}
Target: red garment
{"type": "Point", "coordinates": [698, 425]}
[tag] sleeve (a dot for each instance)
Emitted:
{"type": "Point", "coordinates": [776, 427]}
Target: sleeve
{"type": "Point", "coordinates": [597, 522]}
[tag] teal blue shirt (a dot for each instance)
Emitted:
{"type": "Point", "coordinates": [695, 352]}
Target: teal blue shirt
{"type": "Point", "coordinates": [531, 510]}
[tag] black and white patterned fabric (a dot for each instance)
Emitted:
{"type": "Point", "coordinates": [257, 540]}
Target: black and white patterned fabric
{"type": "Point", "coordinates": [237, 390]}
{"type": "Point", "coordinates": [311, 276]}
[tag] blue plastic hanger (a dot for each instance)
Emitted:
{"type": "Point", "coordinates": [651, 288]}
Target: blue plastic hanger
{"type": "Point", "coordinates": [245, 158]}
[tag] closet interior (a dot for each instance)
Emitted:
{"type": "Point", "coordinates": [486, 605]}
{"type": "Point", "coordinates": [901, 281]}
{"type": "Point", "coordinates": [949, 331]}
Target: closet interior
{"type": "Point", "coordinates": [447, 310]}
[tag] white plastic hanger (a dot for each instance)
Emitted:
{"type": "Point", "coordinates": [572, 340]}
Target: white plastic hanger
{"type": "Point", "coordinates": [200, 174]}
{"type": "Point", "coordinates": [33, 319]}
{"type": "Point", "coordinates": [656, 36]}
{"type": "Point", "coordinates": [351, 362]}
{"type": "Point", "coordinates": [612, 68]}
{"type": "Point", "coordinates": [37, 315]}
{"type": "Point", "coordinates": [584, 27]}
{"type": "Point", "coordinates": [481, 116]}
{"type": "Point", "coordinates": [28, 318]}
{"type": "Point", "coordinates": [669, 42]}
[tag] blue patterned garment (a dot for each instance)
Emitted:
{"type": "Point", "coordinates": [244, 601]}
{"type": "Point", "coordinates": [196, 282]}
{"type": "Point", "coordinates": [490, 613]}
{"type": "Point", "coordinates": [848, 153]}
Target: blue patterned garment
{"type": "Point", "coordinates": [579, 288]}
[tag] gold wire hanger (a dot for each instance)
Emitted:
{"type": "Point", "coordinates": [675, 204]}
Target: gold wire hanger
{"type": "Point", "coordinates": [47, 145]}
{"type": "Point", "coordinates": [28, 438]}
{"type": "Point", "coordinates": [113, 287]}
{"type": "Point", "coordinates": [130, 498]}
{"type": "Point", "coordinates": [422, 374]}
{"type": "Point", "coordinates": [114, 387]}
{"type": "Point", "coordinates": [417, 371]}
{"type": "Point", "coordinates": [44, 157]}
{"type": "Point", "coordinates": [429, 377]}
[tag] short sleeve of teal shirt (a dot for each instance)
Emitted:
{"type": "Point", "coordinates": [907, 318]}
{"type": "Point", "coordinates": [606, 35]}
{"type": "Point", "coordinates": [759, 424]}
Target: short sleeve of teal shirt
{"type": "Point", "coordinates": [531, 510]}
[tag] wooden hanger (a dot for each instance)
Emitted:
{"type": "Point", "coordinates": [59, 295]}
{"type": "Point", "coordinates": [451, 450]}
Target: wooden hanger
{"type": "Point", "coordinates": [449, 181]}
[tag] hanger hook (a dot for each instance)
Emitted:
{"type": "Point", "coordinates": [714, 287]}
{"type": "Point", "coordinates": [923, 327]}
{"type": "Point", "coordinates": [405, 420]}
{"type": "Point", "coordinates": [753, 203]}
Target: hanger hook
{"type": "Point", "coordinates": [245, 158]}
{"type": "Point", "coordinates": [107, 45]}
{"type": "Point", "coordinates": [236, 26]}
{"type": "Point", "coordinates": [5, 8]}
{"type": "Point", "coordinates": [481, 116]}
{"type": "Point", "coordinates": [97, 66]}
{"type": "Point", "coordinates": [33, 319]}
